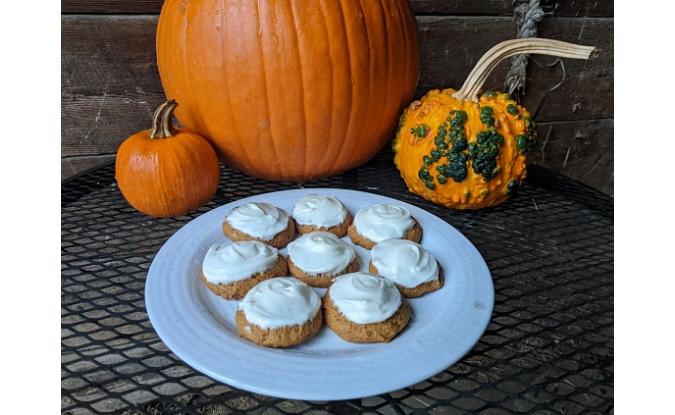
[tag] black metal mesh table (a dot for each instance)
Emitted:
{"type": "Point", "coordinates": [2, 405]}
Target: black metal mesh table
{"type": "Point", "coordinates": [547, 350]}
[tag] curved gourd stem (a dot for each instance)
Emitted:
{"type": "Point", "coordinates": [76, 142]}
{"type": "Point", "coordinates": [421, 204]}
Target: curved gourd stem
{"type": "Point", "coordinates": [488, 62]}
{"type": "Point", "coordinates": [162, 120]}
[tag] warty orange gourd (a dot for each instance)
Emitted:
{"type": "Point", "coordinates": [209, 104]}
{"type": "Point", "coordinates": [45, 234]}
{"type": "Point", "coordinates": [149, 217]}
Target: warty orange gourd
{"type": "Point", "coordinates": [465, 151]}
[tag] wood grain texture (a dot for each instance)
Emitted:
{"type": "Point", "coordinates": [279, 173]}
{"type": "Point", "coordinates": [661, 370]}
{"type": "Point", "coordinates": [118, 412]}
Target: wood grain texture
{"type": "Point", "coordinates": [118, 59]}
{"type": "Point", "coordinates": [451, 46]}
{"type": "Point", "coordinates": [98, 124]}
{"type": "Point", "coordinates": [71, 166]}
{"type": "Point", "coordinates": [110, 84]}
{"type": "Point", "coordinates": [582, 150]}
{"type": "Point", "coordinates": [578, 8]}
{"type": "Point", "coordinates": [587, 8]}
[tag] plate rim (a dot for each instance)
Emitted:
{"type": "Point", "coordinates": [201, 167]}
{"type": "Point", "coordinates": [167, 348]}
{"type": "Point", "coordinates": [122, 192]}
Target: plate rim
{"type": "Point", "coordinates": [422, 374]}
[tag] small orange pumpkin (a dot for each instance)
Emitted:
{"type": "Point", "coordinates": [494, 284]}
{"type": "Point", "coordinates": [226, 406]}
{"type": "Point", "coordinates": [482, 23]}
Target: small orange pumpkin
{"type": "Point", "coordinates": [463, 151]}
{"type": "Point", "coordinates": [166, 171]}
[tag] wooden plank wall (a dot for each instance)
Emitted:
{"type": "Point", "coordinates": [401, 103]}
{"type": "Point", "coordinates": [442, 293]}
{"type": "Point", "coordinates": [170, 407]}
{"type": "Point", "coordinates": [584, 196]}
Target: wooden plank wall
{"type": "Point", "coordinates": [110, 84]}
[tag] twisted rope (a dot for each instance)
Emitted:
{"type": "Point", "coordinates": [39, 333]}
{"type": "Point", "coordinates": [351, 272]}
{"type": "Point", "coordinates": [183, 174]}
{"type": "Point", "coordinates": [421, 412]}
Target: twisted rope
{"type": "Point", "coordinates": [527, 15]}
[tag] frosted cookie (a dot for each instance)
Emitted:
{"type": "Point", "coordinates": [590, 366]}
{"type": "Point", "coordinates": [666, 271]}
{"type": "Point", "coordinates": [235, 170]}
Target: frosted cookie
{"type": "Point", "coordinates": [364, 308]}
{"type": "Point", "coordinates": [318, 257]}
{"type": "Point", "coordinates": [279, 312]}
{"type": "Point", "coordinates": [231, 270]}
{"type": "Point", "coordinates": [259, 222]}
{"type": "Point", "coordinates": [321, 213]}
{"type": "Point", "coordinates": [377, 223]}
{"type": "Point", "coordinates": [405, 263]}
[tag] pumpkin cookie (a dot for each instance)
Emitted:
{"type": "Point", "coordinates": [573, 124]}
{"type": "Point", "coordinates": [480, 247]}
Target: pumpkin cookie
{"type": "Point", "coordinates": [259, 222]}
{"type": "Point", "coordinates": [318, 257]}
{"type": "Point", "coordinates": [380, 222]}
{"type": "Point", "coordinates": [364, 308]}
{"type": "Point", "coordinates": [321, 213]}
{"type": "Point", "coordinates": [412, 268]}
{"type": "Point", "coordinates": [279, 312]}
{"type": "Point", "coordinates": [230, 271]}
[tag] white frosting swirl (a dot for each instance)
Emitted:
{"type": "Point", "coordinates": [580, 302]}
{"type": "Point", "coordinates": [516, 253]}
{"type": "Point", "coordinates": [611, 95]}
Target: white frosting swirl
{"type": "Point", "coordinates": [320, 252]}
{"type": "Point", "coordinates": [365, 298]}
{"type": "Point", "coordinates": [235, 262]}
{"type": "Point", "coordinates": [280, 302]}
{"type": "Point", "coordinates": [319, 210]}
{"type": "Point", "coordinates": [260, 220]}
{"type": "Point", "coordinates": [404, 262]}
{"type": "Point", "coordinates": [381, 222]}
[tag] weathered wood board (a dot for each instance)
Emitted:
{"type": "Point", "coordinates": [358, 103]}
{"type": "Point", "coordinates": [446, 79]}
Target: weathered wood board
{"type": "Point", "coordinates": [120, 60]}
{"type": "Point", "coordinates": [583, 150]}
{"type": "Point", "coordinates": [110, 84]}
{"type": "Point", "coordinates": [589, 8]}
{"type": "Point", "coordinates": [71, 166]}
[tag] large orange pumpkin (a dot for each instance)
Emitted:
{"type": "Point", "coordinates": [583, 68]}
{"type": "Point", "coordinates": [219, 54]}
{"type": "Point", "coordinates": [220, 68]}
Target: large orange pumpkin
{"type": "Point", "coordinates": [289, 89]}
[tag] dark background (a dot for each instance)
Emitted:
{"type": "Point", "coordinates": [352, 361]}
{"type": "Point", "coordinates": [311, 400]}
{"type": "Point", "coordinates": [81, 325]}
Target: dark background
{"type": "Point", "coordinates": [110, 84]}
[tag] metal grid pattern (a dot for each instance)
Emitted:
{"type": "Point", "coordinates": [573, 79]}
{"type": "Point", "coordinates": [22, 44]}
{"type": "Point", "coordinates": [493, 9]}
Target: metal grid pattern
{"type": "Point", "coordinates": [547, 350]}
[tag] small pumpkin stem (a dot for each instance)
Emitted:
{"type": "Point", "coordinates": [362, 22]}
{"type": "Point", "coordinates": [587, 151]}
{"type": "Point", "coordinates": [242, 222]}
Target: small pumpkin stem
{"type": "Point", "coordinates": [488, 62]}
{"type": "Point", "coordinates": [162, 120]}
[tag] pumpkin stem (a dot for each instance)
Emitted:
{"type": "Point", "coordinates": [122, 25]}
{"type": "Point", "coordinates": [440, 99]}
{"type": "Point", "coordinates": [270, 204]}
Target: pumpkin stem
{"type": "Point", "coordinates": [162, 120]}
{"type": "Point", "coordinates": [488, 62]}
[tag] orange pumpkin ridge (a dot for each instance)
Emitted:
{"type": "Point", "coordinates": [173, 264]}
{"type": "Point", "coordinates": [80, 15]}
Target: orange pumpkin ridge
{"type": "Point", "coordinates": [164, 171]}
{"type": "Point", "coordinates": [289, 89]}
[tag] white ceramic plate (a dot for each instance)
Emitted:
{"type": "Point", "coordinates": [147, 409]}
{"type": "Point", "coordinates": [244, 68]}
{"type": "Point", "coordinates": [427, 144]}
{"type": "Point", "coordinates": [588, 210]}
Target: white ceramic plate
{"type": "Point", "coordinates": [199, 327]}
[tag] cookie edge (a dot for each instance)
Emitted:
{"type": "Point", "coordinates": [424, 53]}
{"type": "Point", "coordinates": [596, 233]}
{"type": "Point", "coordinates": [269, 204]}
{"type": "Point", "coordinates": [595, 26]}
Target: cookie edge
{"type": "Point", "coordinates": [280, 337]}
{"type": "Point", "coordinates": [321, 280]}
{"type": "Point", "coordinates": [366, 333]}
{"type": "Point", "coordinates": [236, 290]}
{"type": "Point", "coordinates": [280, 240]}
{"type": "Point", "coordinates": [413, 234]}
{"type": "Point", "coordinates": [418, 290]}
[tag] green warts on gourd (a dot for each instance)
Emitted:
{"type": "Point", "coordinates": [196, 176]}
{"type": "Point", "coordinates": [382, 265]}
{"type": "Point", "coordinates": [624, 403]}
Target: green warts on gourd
{"type": "Point", "coordinates": [525, 142]}
{"type": "Point", "coordinates": [522, 144]}
{"type": "Point", "coordinates": [420, 130]}
{"type": "Point", "coordinates": [531, 131]}
{"type": "Point", "coordinates": [458, 152]}
{"type": "Point", "coordinates": [487, 116]}
{"type": "Point", "coordinates": [512, 109]}
{"type": "Point", "coordinates": [484, 152]}
{"type": "Point", "coordinates": [451, 144]}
